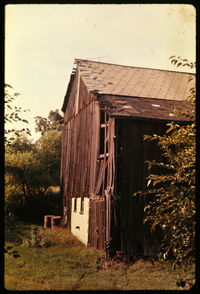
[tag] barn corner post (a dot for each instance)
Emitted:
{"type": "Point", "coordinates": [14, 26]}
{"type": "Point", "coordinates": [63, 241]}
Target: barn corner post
{"type": "Point", "coordinates": [66, 203]}
{"type": "Point", "coordinates": [110, 191]}
{"type": "Point", "coordinates": [63, 204]}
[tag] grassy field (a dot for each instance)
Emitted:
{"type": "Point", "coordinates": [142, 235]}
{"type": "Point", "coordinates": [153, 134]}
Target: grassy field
{"type": "Point", "coordinates": [68, 265]}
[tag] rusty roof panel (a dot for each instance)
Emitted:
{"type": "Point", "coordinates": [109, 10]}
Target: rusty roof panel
{"type": "Point", "coordinates": [134, 81]}
{"type": "Point", "coordinates": [152, 108]}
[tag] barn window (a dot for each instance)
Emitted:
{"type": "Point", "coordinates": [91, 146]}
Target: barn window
{"type": "Point", "coordinates": [102, 139]}
{"type": "Point", "coordinates": [103, 135]}
{"type": "Point", "coordinates": [82, 205]}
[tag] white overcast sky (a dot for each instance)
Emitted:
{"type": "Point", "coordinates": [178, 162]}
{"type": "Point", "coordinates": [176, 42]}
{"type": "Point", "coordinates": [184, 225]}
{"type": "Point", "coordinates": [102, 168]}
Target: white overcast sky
{"type": "Point", "coordinates": [41, 42]}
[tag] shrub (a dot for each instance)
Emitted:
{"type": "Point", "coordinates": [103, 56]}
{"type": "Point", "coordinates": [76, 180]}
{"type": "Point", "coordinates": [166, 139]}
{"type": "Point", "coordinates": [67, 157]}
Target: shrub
{"type": "Point", "coordinates": [170, 202]}
{"type": "Point", "coordinates": [37, 238]}
{"type": "Point", "coordinates": [33, 209]}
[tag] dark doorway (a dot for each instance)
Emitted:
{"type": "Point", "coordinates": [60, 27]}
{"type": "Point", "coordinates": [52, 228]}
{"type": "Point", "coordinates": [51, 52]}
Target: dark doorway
{"type": "Point", "coordinates": [129, 234]}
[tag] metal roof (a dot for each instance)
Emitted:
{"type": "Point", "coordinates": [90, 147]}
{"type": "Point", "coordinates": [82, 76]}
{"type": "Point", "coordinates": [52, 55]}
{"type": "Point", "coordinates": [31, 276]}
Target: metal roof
{"type": "Point", "coordinates": [148, 108]}
{"type": "Point", "coordinates": [134, 81]}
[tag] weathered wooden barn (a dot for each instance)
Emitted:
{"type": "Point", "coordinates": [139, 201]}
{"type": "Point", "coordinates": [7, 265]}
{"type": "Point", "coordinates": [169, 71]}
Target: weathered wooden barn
{"type": "Point", "coordinates": [107, 110]}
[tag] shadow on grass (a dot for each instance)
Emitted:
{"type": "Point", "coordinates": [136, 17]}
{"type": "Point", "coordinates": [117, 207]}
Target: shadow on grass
{"type": "Point", "coordinates": [69, 265]}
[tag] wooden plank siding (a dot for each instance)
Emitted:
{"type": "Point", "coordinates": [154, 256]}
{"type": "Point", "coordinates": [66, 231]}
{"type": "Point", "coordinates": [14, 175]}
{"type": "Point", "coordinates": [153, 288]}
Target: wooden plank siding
{"type": "Point", "coordinates": [131, 153]}
{"type": "Point", "coordinates": [97, 223]}
{"type": "Point", "coordinates": [80, 150]}
{"type": "Point", "coordinates": [86, 172]}
{"type": "Point", "coordinates": [80, 143]}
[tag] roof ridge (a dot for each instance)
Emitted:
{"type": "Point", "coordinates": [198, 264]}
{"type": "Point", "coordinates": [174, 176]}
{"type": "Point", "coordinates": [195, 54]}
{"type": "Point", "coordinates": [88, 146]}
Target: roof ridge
{"type": "Point", "coordinates": [132, 66]}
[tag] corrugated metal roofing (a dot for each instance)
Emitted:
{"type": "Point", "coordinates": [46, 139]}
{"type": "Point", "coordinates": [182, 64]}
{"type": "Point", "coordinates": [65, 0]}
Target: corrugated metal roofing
{"type": "Point", "coordinates": [149, 108]}
{"type": "Point", "coordinates": [133, 81]}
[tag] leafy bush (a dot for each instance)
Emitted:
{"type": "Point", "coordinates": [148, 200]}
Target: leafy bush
{"type": "Point", "coordinates": [33, 209]}
{"type": "Point", "coordinates": [37, 238]}
{"type": "Point", "coordinates": [30, 174]}
{"type": "Point", "coordinates": [170, 203]}
{"type": "Point", "coordinates": [172, 194]}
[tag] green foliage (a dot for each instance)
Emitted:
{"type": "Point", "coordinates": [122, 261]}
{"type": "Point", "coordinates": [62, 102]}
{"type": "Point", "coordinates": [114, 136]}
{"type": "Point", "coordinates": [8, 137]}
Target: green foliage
{"type": "Point", "coordinates": [33, 208]}
{"type": "Point", "coordinates": [12, 115]}
{"type": "Point", "coordinates": [173, 205]}
{"type": "Point", "coordinates": [23, 167]}
{"type": "Point", "coordinates": [53, 122]}
{"type": "Point", "coordinates": [36, 238]}
{"type": "Point", "coordinates": [31, 169]}
{"type": "Point", "coordinates": [69, 265]}
{"type": "Point", "coordinates": [49, 152]}
{"type": "Point", "coordinates": [170, 203]}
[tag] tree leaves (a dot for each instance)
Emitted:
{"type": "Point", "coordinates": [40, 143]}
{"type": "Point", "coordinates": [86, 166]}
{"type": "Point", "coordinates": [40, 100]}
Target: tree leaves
{"type": "Point", "coordinates": [12, 115]}
{"type": "Point", "coordinates": [32, 167]}
{"type": "Point", "coordinates": [171, 192]}
{"type": "Point", "coordinates": [178, 61]}
{"type": "Point", "coordinates": [53, 122]}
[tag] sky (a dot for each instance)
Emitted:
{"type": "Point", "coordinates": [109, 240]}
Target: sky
{"type": "Point", "coordinates": [42, 41]}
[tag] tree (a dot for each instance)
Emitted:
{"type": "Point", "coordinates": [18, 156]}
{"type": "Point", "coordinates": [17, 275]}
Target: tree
{"type": "Point", "coordinates": [49, 144]}
{"type": "Point", "coordinates": [12, 115]}
{"type": "Point", "coordinates": [31, 169]}
{"type": "Point", "coordinates": [171, 193]}
{"type": "Point", "coordinates": [53, 122]}
{"type": "Point", "coordinates": [49, 152]}
{"type": "Point", "coordinates": [23, 167]}
{"type": "Point", "coordinates": [28, 178]}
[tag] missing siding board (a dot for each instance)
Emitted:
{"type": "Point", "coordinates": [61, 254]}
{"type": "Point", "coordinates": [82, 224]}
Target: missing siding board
{"type": "Point", "coordinates": [75, 204]}
{"type": "Point", "coordinates": [102, 139]}
{"type": "Point", "coordinates": [99, 183]}
{"type": "Point", "coordinates": [105, 178]}
{"type": "Point", "coordinates": [104, 150]}
{"type": "Point", "coordinates": [82, 206]}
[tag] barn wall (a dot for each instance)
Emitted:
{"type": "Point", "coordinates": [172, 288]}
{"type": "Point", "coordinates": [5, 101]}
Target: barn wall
{"type": "Point", "coordinates": [100, 207]}
{"type": "Point", "coordinates": [79, 155]}
{"type": "Point", "coordinates": [80, 144]}
{"type": "Point", "coordinates": [135, 150]}
{"type": "Point", "coordinates": [131, 171]}
{"type": "Point", "coordinates": [80, 220]}
{"type": "Point", "coordinates": [79, 97]}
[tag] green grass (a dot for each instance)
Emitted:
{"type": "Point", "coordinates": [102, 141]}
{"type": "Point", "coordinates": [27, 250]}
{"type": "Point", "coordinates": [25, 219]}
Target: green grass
{"type": "Point", "coordinates": [68, 265]}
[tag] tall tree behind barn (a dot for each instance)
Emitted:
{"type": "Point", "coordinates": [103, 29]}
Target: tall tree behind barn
{"type": "Point", "coordinates": [107, 110]}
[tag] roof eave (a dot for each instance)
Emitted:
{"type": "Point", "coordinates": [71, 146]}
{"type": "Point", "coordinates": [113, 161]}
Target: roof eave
{"type": "Point", "coordinates": [69, 87]}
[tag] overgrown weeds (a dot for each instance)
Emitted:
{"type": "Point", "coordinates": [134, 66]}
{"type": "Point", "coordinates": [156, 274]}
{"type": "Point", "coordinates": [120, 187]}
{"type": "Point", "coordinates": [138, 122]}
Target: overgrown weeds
{"type": "Point", "coordinates": [69, 265]}
{"type": "Point", "coordinates": [36, 237]}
